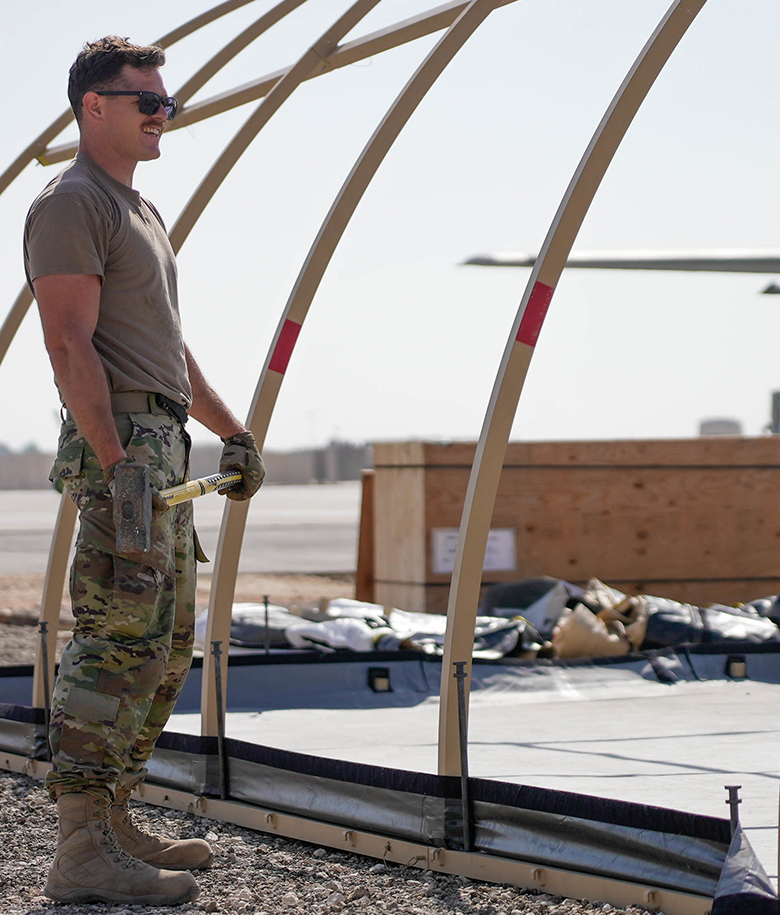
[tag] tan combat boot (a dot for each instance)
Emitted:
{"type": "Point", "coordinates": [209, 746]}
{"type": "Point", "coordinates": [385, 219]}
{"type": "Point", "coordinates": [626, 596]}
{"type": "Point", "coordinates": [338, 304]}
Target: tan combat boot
{"type": "Point", "coordinates": [173, 854]}
{"type": "Point", "coordinates": [91, 866]}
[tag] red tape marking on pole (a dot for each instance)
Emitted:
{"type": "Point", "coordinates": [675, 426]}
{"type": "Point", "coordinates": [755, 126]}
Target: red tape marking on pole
{"type": "Point", "coordinates": [535, 312]}
{"type": "Point", "coordinates": [284, 347]}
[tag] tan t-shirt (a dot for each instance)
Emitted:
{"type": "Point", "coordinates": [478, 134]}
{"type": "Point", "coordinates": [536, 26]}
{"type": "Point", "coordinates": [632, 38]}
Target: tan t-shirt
{"type": "Point", "coordinates": [86, 222]}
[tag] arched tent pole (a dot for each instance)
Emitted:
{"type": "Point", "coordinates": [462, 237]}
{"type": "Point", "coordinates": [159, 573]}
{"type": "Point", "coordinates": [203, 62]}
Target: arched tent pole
{"type": "Point", "coordinates": [234, 47]}
{"type": "Point", "coordinates": [62, 537]}
{"type": "Point", "coordinates": [351, 52]}
{"type": "Point", "coordinates": [311, 60]}
{"type": "Point", "coordinates": [51, 599]}
{"type": "Point", "coordinates": [489, 458]}
{"type": "Point", "coordinates": [14, 320]}
{"type": "Point", "coordinates": [307, 283]}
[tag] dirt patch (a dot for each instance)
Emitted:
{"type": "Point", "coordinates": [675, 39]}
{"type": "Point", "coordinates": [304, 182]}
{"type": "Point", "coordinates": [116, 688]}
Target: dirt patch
{"type": "Point", "coordinates": [292, 591]}
{"type": "Point", "coordinates": [20, 595]}
{"type": "Point", "coordinates": [20, 604]}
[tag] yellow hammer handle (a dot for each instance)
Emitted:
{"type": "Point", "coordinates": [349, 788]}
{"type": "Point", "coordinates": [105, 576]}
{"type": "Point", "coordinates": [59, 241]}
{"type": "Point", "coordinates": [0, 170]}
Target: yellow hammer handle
{"type": "Point", "coordinates": [195, 488]}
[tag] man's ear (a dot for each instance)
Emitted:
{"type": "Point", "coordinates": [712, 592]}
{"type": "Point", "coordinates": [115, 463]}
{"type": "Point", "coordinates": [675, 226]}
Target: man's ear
{"type": "Point", "coordinates": [93, 106]}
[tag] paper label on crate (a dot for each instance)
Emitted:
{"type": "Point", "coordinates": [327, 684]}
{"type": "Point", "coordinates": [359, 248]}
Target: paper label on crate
{"type": "Point", "coordinates": [500, 555]}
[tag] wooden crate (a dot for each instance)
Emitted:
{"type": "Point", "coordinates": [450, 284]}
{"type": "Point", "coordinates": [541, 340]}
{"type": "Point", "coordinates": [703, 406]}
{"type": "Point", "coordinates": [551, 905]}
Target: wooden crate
{"type": "Point", "coordinates": [697, 520]}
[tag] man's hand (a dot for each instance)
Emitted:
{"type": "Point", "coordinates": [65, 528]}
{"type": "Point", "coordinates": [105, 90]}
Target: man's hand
{"type": "Point", "coordinates": [241, 453]}
{"type": "Point", "coordinates": [159, 505]}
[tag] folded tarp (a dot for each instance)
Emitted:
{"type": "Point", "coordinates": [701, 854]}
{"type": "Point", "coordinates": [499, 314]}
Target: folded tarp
{"type": "Point", "coordinates": [558, 610]}
{"type": "Point", "coordinates": [359, 626]}
{"type": "Point", "coordinates": [23, 730]}
{"type": "Point", "coordinates": [744, 887]}
{"type": "Point", "coordinates": [673, 623]}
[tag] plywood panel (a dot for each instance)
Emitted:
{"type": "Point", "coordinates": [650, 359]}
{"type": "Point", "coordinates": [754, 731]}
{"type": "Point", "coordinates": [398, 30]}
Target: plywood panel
{"type": "Point", "coordinates": [399, 524]}
{"type": "Point", "coordinates": [695, 519]}
{"type": "Point", "coordinates": [712, 450]}
{"type": "Point", "coordinates": [413, 598]}
{"type": "Point", "coordinates": [645, 523]}
{"type": "Point", "coordinates": [399, 454]}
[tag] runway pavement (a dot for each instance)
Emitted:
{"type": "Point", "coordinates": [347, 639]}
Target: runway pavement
{"type": "Point", "coordinates": [310, 528]}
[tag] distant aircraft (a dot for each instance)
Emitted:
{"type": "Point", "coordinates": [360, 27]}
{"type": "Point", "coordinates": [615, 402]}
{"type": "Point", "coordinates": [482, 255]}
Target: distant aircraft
{"type": "Point", "coordinates": [729, 260]}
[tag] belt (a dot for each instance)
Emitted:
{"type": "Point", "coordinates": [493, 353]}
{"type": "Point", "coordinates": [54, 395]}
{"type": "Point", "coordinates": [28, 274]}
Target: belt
{"type": "Point", "coordinates": [144, 402]}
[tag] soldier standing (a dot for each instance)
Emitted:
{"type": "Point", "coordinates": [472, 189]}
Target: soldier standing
{"type": "Point", "coordinates": [103, 272]}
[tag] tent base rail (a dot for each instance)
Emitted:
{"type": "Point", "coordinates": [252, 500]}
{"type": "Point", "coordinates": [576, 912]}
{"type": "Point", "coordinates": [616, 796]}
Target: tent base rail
{"type": "Point", "coordinates": [474, 865]}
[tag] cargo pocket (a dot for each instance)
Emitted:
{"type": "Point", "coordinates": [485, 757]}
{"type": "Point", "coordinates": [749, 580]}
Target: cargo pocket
{"type": "Point", "coordinates": [68, 463]}
{"type": "Point", "coordinates": [138, 593]}
{"type": "Point", "coordinates": [91, 707]}
{"type": "Point", "coordinates": [83, 738]}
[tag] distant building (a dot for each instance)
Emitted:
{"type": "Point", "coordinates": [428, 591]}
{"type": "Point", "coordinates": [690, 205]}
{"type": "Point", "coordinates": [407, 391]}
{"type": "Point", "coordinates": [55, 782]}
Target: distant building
{"type": "Point", "coordinates": [335, 462]}
{"type": "Point", "coordinates": [27, 470]}
{"type": "Point", "coordinates": [720, 426]}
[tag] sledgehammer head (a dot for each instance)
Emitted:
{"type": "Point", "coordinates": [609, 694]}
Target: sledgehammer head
{"type": "Point", "coordinates": [132, 508]}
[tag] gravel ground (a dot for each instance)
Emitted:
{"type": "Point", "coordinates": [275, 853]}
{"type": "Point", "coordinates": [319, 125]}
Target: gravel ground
{"type": "Point", "coordinates": [255, 874]}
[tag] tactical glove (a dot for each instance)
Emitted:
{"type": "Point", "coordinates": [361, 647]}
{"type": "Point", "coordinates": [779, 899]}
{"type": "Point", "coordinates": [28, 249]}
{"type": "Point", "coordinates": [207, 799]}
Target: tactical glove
{"type": "Point", "coordinates": [241, 453]}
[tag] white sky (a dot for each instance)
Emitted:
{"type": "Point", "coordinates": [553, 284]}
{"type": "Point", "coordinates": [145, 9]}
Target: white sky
{"type": "Point", "coordinates": [400, 341]}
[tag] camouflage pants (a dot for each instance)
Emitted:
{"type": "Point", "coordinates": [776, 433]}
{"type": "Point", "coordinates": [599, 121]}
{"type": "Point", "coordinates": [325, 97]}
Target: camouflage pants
{"type": "Point", "coordinates": [122, 671]}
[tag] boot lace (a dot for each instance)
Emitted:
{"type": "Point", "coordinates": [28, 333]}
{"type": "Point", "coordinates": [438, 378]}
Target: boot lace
{"type": "Point", "coordinates": [129, 824]}
{"type": "Point", "coordinates": [109, 840]}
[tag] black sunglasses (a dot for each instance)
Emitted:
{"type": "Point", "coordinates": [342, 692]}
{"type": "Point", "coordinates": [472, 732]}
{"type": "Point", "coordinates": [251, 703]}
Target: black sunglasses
{"type": "Point", "coordinates": [148, 102]}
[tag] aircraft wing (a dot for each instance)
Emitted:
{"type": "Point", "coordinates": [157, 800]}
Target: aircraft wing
{"type": "Point", "coordinates": [729, 260]}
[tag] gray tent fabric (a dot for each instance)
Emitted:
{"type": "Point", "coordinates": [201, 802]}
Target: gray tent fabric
{"type": "Point", "coordinates": [23, 729]}
{"type": "Point", "coordinates": [617, 839]}
{"type": "Point", "coordinates": [744, 887]}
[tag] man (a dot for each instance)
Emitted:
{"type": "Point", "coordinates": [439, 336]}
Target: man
{"type": "Point", "coordinates": [103, 272]}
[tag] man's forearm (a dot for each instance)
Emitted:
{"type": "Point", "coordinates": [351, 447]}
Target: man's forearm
{"type": "Point", "coordinates": [240, 451]}
{"type": "Point", "coordinates": [82, 382]}
{"type": "Point", "coordinates": [208, 407]}
{"type": "Point", "coordinates": [214, 415]}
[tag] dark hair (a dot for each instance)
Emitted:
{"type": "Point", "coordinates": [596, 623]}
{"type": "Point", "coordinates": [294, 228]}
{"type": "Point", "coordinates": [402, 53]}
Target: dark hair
{"type": "Point", "coordinates": [100, 63]}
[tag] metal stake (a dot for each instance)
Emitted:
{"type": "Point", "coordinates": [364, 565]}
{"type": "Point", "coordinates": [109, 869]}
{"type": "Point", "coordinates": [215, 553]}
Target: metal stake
{"type": "Point", "coordinates": [733, 802]}
{"type": "Point", "coordinates": [460, 675]}
{"type": "Point", "coordinates": [267, 634]}
{"type": "Point", "coordinates": [44, 628]}
{"type": "Point", "coordinates": [216, 650]}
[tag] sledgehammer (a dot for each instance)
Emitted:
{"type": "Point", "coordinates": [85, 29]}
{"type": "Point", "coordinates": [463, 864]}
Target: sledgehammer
{"type": "Point", "coordinates": [133, 502]}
